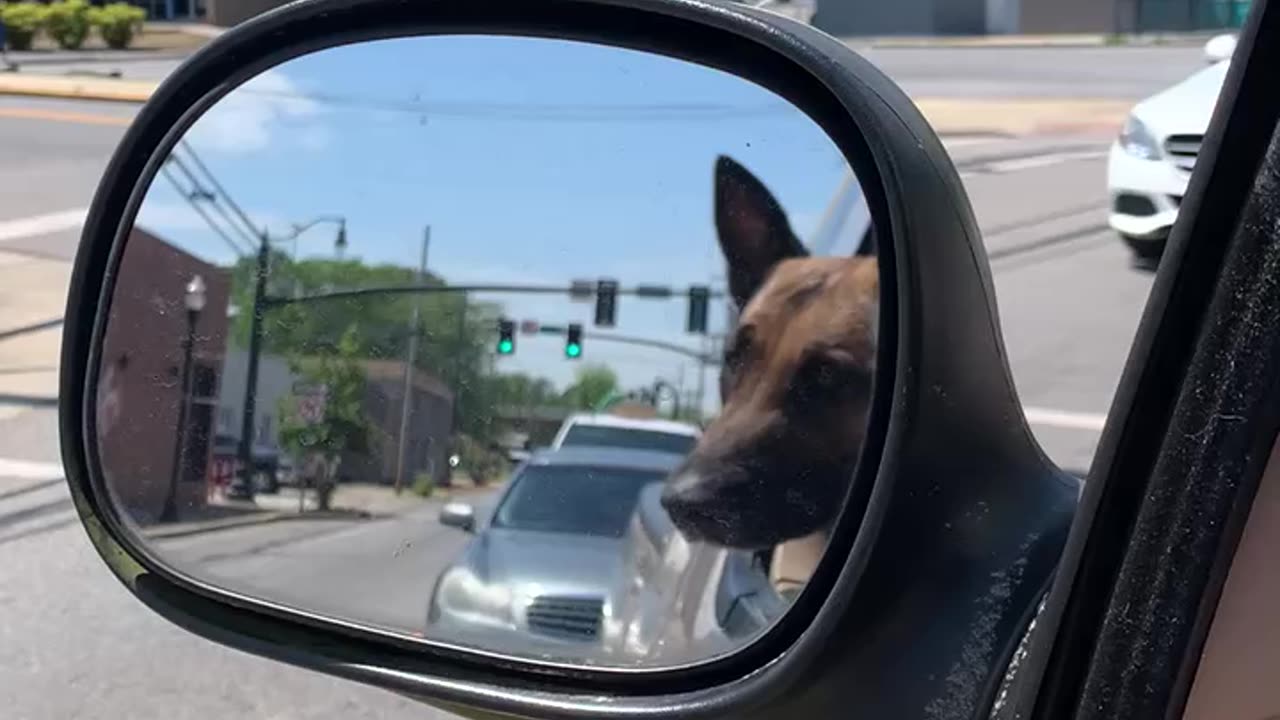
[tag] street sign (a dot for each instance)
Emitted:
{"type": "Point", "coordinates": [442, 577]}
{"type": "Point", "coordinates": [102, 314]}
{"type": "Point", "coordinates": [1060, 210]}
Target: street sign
{"type": "Point", "coordinates": [530, 327]}
{"type": "Point", "coordinates": [582, 291]}
{"type": "Point", "coordinates": [653, 292]}
{"type": "Point", "coordinates": [312, 402]}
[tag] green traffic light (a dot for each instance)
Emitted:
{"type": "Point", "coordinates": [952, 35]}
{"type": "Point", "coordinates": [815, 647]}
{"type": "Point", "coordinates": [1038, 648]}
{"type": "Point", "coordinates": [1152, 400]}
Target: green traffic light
{"type": "Point", "coordinates": [505, 347]}
{"type": "Point", "coordinates": [573, 351]}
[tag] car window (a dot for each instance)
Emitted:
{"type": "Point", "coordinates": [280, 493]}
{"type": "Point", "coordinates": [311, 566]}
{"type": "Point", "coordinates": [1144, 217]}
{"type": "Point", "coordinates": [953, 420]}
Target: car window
{"type": "Point", "coordinates": [631, 438]}
{"type": "Point", "coordinates": [573, 500]}
{"type": "Point", "coordinates": [746, 603]}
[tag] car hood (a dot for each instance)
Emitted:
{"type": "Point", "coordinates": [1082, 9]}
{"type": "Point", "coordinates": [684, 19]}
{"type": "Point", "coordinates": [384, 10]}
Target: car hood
{"type": "Point", "coordinates": [538, 563]}
{"type": "Point", "coordinates": [1185, 108]}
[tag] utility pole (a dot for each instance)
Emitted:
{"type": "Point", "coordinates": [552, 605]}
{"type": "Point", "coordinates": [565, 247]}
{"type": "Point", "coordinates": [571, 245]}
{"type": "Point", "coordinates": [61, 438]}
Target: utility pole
{"type": "Point", "coordinates": [406, 402]}
{"type": "Point", "coordinates": [251, 366]}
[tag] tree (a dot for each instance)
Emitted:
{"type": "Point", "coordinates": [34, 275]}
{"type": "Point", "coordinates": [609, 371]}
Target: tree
{"type": "Point", "coordinates": [592, 385]}
{"type": "Point", "coordinates": [342, 426]}
{"type": "Point", "coordinates": [455, 334]}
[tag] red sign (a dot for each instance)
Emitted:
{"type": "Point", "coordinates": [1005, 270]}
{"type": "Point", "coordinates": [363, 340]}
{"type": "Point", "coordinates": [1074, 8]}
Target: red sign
{"type": "Point", "coordinates": [530, 327]}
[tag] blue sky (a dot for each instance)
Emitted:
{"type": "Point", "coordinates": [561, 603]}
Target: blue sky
{"type": "Point", "coordinates": [532, 160]}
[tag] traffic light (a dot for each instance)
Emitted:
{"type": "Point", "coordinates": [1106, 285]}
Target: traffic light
{"type": "Point", "coordinates": [573, 342]}
{"type": "Point", "coordinates": [506, 337]}
{"type": "Point", "coordinates": [698, 297]}
{"type": "Point", "coordinates": [606, 302]}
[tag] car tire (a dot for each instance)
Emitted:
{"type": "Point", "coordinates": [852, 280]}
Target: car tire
{"type": "Point", "coordinates": [1145, 250]}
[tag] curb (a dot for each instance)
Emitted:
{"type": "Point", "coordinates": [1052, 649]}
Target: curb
{"type": "Point", "coordinates": [130, 91]}
{"type": "Point", "coordinates": [265, 517]}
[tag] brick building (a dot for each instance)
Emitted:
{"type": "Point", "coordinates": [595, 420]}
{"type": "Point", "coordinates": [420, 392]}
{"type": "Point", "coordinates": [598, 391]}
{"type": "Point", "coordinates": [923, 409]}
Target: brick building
{"type": "Point", "coordinates": [140, 393]}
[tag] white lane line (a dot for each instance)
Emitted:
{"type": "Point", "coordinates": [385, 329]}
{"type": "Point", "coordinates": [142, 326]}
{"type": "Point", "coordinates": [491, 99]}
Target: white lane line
{"type": "Point", "coordinates": [42, 224]}
{"type": "Point", "coordinates": [1031, 162]}
{"type": "Point", "coordinates": [28, 470]}
{"type": "Point", "coordinates": [1065, 419]}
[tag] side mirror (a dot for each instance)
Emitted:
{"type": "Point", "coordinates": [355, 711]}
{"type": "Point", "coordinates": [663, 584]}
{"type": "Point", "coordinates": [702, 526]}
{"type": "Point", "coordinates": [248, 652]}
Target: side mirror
{"type": "Point", "coordinates": [542, 144]}
{"type": "Point", "coordinates": [1219, 48]}
{"type": "Point", "coordinates": [458, 515]}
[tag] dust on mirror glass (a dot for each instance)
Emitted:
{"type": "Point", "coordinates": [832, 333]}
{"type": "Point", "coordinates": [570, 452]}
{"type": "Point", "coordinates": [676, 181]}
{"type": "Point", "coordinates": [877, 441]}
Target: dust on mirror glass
{"type": "Point", "coordinates": [559, 350]}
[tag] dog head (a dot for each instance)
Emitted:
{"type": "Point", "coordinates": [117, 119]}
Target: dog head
{"type": "Point", "coordinates": [795, 386]}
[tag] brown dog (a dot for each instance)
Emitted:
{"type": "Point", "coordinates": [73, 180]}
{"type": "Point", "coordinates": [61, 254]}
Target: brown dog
{"type": "Point", "coordinates": [796, 383]}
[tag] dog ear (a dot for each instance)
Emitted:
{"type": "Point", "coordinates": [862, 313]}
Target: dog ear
{"type": "Point", "coordinates": [752, 228]}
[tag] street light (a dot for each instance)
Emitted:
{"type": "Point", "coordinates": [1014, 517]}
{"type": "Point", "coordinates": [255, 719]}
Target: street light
{"type": "Point", "coordinates": [242, 486]}
{"type": "Point", "coordinates": [194, 298]}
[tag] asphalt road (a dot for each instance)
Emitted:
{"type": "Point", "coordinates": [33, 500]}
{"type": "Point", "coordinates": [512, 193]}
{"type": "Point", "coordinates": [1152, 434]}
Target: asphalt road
{"type": "Point", "coordinates": [374, 572]}
{"type": "Point", "coordinates": [73, 644]}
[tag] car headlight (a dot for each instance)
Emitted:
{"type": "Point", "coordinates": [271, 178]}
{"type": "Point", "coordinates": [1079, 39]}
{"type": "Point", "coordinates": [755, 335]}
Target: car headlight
{"type": "Point", "coordinates": [468, 598]}
{"type": "Point", "coordinates": [1138, 141]}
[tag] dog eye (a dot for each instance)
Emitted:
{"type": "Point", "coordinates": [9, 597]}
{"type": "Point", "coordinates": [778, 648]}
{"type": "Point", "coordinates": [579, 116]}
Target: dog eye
{"type": "Point", "coordinates": [826, 378]}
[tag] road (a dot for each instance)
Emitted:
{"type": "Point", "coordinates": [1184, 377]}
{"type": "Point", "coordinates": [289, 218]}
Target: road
{"type": "Point", "coordinates": [376, 572]}
{"type": "Point", "coordinates": [73, 644]}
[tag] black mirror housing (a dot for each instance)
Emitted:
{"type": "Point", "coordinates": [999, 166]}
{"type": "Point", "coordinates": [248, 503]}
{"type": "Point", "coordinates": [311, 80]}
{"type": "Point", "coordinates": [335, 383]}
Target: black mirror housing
{"type": "Point", "coordinates": [928, 603]}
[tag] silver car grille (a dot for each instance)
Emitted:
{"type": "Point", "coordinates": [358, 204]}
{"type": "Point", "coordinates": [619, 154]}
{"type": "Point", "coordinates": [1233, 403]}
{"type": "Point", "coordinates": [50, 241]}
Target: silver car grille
{"type": "Point", "coordinates": [1183, 149]}
{"type": "Point", "coordinates": [571, 618]}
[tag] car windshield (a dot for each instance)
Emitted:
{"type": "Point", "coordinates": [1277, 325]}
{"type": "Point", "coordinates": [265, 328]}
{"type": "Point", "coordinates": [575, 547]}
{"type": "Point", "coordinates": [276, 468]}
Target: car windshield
{"type": "Point", "coordinates": [573, 500]}
{"type": "Point", "coordinates": [630, 438]}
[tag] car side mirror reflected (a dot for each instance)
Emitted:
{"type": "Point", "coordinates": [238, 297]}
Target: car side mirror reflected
{"type": "Point", "coordinates": [458, 515]}
{"type": "Point", "coordinates": [1219, 48]}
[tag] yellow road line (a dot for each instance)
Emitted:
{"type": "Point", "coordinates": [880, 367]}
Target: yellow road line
{"type": "Point", "coordinates": [64, 116]}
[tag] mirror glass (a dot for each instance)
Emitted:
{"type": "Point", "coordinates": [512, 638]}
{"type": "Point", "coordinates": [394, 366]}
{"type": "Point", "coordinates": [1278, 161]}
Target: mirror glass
{"type": "Point", "coordinates": [552, 349]}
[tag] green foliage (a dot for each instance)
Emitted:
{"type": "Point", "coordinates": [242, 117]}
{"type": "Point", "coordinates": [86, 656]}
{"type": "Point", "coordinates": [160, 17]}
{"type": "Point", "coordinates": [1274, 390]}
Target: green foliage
{"type": "Point", "coordinates": [518, 390]}
{"type": "Point", "coordinates": [23, 20]}
{"type": "Point", "coordinates": [344, 426]}
{"type": "Point", "coordinates": [423, 485]}
{"type": "Point", "coordinates": [456, 336]}
{"type": "Point", "coordinates": [117, 23]}
{"type": "Point", "coordinates": [592, 384]}
{"type": "Point", "coordinates": [67, 22]}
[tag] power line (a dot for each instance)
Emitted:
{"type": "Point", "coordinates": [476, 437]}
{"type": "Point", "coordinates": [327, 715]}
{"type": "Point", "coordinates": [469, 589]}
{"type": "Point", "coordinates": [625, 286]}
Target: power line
{"type": "Point", "coordinates": [198, 189]}
{"type": "Point", "coordinates": [568, 112]}
{"type": "Point", "coordinates": [217, 186]}
{"type": "Point", "coordinates": [239, 251]}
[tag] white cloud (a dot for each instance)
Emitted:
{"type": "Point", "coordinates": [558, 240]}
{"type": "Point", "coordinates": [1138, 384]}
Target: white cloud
{"type": "Point", "coordinates": [267, 111]}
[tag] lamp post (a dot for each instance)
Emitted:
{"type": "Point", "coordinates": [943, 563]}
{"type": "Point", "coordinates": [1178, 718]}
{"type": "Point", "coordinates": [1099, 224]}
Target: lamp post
{"type": "Point", "coordinates": [193, 299]}
{"type": "Point", "coordinates": [242, 486]}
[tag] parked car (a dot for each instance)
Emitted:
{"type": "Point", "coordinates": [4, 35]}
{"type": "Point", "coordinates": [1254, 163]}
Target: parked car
{"type": "Point", "coordinates": [544, 571]}
{"type": "Point", "coordinates": [602, 430]}
{"type": "Point", "coordinates": [1151, 161]}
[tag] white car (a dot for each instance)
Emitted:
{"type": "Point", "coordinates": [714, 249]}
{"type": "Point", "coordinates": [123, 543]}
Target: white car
{"type": "Point", "coordinates": [603, 430]}
{"type": "Point", "coordinates": [1151, 161]}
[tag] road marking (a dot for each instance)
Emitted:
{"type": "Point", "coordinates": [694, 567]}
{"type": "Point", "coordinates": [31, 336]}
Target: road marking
{"type": "Point", "coordinates": [42, 224]}
{"type": "Point", "coordinates": [1031, 162]}
{"type": "Point", "coordinates": [28, 470]}
{"type": "Point", "coordinates": [64, 116]}
{"type": "Point", "coordinates": [1065, 419]}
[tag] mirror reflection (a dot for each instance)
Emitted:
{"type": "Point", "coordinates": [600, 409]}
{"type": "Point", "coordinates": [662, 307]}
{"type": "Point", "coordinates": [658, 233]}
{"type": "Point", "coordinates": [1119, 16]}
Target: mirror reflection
{"type": "Point", "coordinates": [561, 351]}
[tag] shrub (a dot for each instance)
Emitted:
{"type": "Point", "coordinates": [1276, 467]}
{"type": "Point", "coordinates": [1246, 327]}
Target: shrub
{"type": "Point", "coordinates": [67, 23]}
{"type": "Point", "coordinates": [117, 23]}
{"type": "Point", "coordinates": [423, 485]}
{"type": "Point", "coordinates": [24, 20]}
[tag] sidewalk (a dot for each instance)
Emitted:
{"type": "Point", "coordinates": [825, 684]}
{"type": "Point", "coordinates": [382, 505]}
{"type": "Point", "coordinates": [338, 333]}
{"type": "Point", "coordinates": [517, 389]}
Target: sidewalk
{"type": "Point", "coordinates": [33, 296]}
{"type": "Point", "coordinates": [351, 501]}
{"type": "Point", "coordinates": [1171, 39]}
